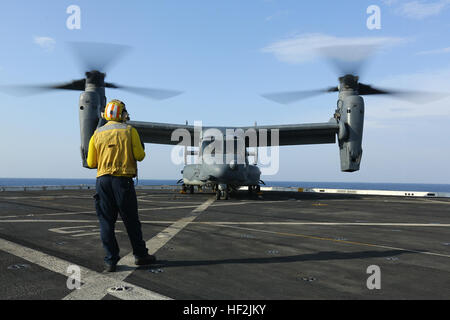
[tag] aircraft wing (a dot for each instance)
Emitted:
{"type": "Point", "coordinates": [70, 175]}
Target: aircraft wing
{"type": "Point", "coordinates": [159, 133]}
{"type": "Point", "coordinates": [297, 134]}
{"type": "Point", "coordinates": [291, 134]}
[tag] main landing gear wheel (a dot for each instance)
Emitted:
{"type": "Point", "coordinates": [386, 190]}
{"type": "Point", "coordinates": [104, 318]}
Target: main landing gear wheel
{"type": "Point", "coordinates": [185, 188]}
{"type": "Point", "coordinates": [254, 189]}
{"type": "Point", "coordinates": [225, 193]}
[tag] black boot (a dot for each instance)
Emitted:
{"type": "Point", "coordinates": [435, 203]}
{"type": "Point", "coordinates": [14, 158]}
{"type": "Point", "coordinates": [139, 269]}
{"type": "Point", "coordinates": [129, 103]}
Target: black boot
{"type": "Point", "coordinates": [109, 267]}
{"type": "Point", "coordinates": [144, 260]}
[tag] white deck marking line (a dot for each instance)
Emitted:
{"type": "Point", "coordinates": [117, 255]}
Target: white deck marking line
{"type": "Point", "coordinates": [436, 201]}
{"type": "Point", "coordinates": [195, 206]}
{"type": "Point", "coordinates": [412, 201]}
{"type": "Point", "coordinates": [204, 206]}
{"type": "Point", "coordinates": [126, 265]}
{"type": "Point", "coordinates": [50, 204]}
{"type": "Point", "coordinates": [433, 225]}
{"type": "Point", "coordinates": [336, 240]}
{"type": "Point", "coordinates": [88, 212]}
{"type": "Point", "coordinates": [332, 224]}
{"type": "Point", "coordinates": [142, 209]}
{"type": "Point", "coordinates": [168, 208]}
{"type": "Point", "coordinates": [169, 201]}
{"type": "Point", "coordinates": [58, 221]}
{"type": "Point", "coordinates": [89, 278]}
{"type": "Point", "coordinates": [48, 214]}
{"type": "Point", "coordinates": [79, 221]}
{"type": "Point", "coordinates": [47, 197]}
{"type": "Point", "coordinates": [94, 212]}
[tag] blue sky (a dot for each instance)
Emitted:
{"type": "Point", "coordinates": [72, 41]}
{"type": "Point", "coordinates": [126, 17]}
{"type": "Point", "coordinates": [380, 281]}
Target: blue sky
{"type": "Point", "coordinates": [223, 54]}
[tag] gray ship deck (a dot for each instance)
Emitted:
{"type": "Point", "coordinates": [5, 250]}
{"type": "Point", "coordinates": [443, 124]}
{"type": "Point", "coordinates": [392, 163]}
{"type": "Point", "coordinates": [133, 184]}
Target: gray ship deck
{"type": "Point", "coordinates": [277, 245]}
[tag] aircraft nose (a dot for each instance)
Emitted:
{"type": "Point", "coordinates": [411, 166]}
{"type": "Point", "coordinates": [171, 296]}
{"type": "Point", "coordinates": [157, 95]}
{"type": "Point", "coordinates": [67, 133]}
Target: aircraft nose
{"type": "Point", "coordinates": [229, 173]}
{"type": "Point", "coordinates": [221, 170]}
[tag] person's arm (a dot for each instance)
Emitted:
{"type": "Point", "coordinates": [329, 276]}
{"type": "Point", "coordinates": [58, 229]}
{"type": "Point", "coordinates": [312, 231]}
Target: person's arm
{"type": "Point", "coordinates": [138, 150]}
{"type": "Point", "coordinates": [92, 154]}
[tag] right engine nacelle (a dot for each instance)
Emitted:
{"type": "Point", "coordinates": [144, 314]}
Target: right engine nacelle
{"type": "Point", "coordinates": [351, 109]}
{"type": "Point", "coordinates": [88, 113]}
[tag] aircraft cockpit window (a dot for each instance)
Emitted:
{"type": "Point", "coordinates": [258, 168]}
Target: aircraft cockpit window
{"type": "Point", "coordinates": [206, 143]}
{"type": "Point", "coordinates": [231, 147]}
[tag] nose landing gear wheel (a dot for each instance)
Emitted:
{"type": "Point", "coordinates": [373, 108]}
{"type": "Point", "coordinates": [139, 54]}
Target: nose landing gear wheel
{"type": "Point", "coordinates": [254, 189]}
{"type": "Point", "coordinates": [225, 194]}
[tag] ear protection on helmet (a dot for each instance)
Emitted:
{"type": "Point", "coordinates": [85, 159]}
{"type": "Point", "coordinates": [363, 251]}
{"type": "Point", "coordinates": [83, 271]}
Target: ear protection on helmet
{"type": "Point", "coordinates": [115, 111]}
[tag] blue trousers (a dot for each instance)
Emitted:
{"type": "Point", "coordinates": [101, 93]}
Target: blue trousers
{"type": "Point", "coordinates": [116, 195]}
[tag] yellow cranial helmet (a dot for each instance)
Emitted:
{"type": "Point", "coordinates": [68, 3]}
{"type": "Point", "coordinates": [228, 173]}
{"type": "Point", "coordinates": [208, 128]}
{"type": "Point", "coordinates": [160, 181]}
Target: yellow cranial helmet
{"type": "Point", "coordinates": [114, 110]}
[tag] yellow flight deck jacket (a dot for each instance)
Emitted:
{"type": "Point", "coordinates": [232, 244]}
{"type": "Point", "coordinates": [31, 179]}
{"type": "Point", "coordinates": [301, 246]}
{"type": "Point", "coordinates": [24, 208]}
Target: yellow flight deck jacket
{"type": "Point", "coordinates": [114, 149]}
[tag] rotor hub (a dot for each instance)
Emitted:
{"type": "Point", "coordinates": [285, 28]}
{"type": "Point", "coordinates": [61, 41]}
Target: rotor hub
{"type": "Point", "coordinates": [349, 81]}
{"type": "Point", "coordinates": [95, 78]}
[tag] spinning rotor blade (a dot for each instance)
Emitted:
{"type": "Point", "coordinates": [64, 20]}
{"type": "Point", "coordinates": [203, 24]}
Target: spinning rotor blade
{"type": "Point", "coordinates": [24, 90]}
{"type": "Point", "coordinates": [74, 85]}
{"type": "Point", "coordinates": [97, 56]}
{"type": "Point", "coordinates": [408, 95]}
{"type": "Point", "coordinates": [153, 93]}
{"type": "Point", "coordinates": [348, 59]}
{"type": "Point", "coordinates": [293, 96]}
{"type": "Point", "coordinates": [100, 56]}
{"type": "Point", "coordinates": [365, 89]}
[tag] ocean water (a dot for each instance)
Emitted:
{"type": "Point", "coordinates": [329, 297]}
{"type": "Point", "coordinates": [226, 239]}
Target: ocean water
{"type": "Point", "coordinates": [8, 182]}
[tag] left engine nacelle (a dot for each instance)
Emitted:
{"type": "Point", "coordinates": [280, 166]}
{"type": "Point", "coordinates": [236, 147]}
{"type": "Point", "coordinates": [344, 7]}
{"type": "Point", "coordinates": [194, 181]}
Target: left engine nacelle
{"type": "Point", "coordinates": [351, 125]}
{"type": "Point", "coordinates": [89, 118]}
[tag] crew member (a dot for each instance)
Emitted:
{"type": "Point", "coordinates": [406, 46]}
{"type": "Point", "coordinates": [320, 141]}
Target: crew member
{"type": "Point", "coordinates": [114, 149]}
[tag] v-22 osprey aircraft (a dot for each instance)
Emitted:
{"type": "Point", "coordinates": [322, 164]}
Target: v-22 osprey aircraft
{"type": "Point", "coordinates": [233, 170]}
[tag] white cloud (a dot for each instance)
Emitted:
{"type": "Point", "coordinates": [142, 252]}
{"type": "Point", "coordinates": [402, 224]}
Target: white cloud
{"type": "Point", "coordinates": [437, 51]}
{"type": "Point", "coordinates": [305, 47]}
{"type": "Point", "coordinates": [277, 15]}
{"type": "Point", "coordinates": [418, 9]}
{"type": "Point", "coordinates": [389, 2]}
{"type": "Point", "coordinates": [46, 43]}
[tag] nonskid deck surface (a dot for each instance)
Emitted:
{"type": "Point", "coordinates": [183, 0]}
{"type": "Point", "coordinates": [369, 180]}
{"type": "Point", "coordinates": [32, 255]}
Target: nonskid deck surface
{"type": "Point", "coordinates": [274, 245]}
